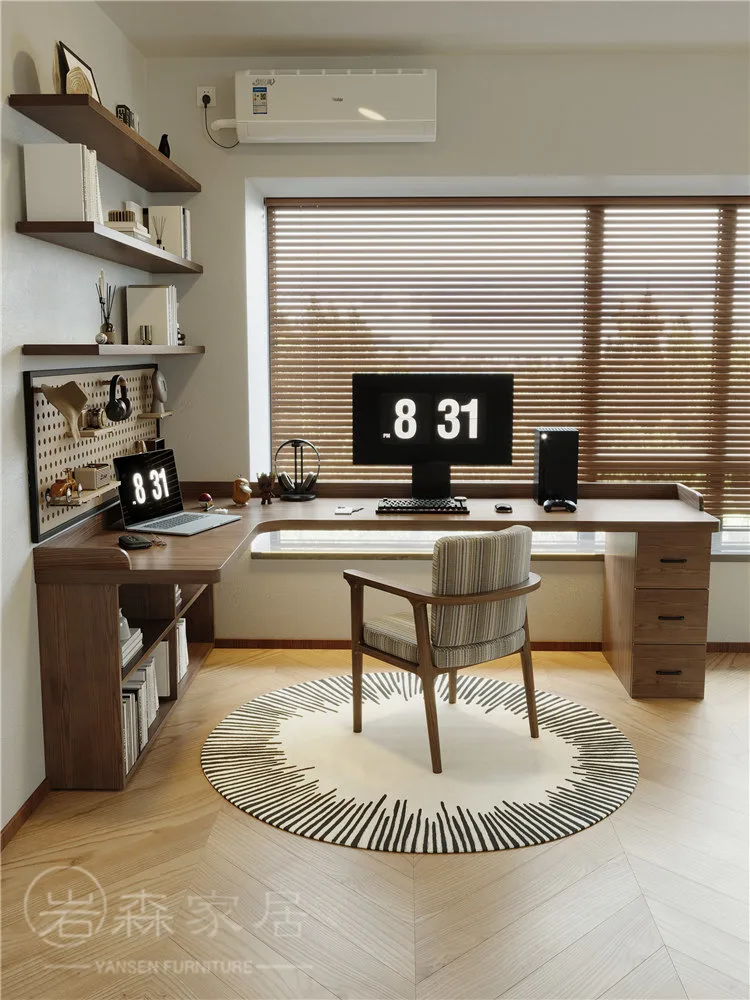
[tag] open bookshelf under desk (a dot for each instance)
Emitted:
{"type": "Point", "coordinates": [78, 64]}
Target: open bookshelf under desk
{"type": "Point", "coordinates": [82, 676]}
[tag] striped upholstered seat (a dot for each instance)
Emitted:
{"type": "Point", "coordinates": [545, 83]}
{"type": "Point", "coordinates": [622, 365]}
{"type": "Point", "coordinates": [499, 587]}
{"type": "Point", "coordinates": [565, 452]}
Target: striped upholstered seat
{"type": "Point", "coordinates": [478, 613]}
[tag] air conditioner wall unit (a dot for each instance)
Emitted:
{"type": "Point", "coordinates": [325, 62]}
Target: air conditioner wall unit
{"type": "Point", "coordinates": [336, 105]}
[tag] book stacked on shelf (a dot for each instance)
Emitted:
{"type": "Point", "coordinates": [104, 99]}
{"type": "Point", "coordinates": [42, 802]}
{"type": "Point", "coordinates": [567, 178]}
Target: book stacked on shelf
{"type": "Point", "coordinates": [161, 662]}
{"type": "Point", "coordinates": [153, 306]}
{"type": "Point", "coordinates": [183, 657]}
{"type": "Point", "coordinates": [62, 183]}
{"type": "Point", "coordinates": [140, 706]}
{"type": "Point", "coordinates": [171, 225]}
{"type": "Point", "coordinates": [129, 647]}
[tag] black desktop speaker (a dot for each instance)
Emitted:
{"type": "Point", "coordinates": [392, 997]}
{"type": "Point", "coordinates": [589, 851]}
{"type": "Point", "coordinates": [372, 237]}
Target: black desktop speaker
{"type": "Point", "coordinates": [555, 464]}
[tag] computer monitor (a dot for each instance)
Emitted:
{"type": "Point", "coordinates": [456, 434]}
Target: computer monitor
{"type": "Point", "coordinates": [432, 421]}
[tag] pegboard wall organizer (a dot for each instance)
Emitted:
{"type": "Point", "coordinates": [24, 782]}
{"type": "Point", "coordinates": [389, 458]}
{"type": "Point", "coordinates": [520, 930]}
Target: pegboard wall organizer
{"type": "Point", "coordinates": [51, 449]}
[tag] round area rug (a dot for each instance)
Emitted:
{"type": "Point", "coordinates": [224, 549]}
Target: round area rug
{"type": "Point", "coordinates": [290, 758]}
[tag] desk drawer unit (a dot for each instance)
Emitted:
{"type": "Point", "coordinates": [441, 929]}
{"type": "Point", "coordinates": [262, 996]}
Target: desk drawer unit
{"type": "Point", "coordinates": [656, 611]}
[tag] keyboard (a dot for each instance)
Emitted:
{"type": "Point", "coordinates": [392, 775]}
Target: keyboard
{"type": "Point", "coordinates": [421, 505]}
{"type": "Point", "coordinates": [177, 520]}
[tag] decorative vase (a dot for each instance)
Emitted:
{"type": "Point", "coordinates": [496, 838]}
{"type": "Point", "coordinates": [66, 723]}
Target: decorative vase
{"type": "Point", "coordinates": [164, 145]}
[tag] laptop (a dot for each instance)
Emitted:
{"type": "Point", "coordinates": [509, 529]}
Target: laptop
{"type": "Point", "coordinates": [151, 500]}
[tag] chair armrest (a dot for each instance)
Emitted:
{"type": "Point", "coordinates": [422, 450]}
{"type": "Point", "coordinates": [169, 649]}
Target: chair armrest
{"type": "Point", "coordinates": [415, 595]}
{"type": "Point", "coordinates": [355, 578]}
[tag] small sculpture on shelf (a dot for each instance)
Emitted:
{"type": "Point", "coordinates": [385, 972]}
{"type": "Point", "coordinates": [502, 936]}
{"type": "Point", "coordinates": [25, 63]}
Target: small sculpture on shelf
{"type": "Point", "coordinates": [266, 484]}
{"type": "Point", "coordinates": [164, 145]}
{"type": "Point", "coordinates": [241, 491]}
{"type": "Point", "coordinates": [62, 489]}
{"type": "Point", "coordinates": [159, 392]}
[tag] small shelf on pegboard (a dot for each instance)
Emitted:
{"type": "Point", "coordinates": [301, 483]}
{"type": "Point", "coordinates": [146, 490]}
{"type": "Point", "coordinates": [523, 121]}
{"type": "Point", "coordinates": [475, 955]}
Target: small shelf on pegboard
{"type": "Point", "coordinates": [155, 416]}
{"type": "Point", "coordinates": [80, 500]}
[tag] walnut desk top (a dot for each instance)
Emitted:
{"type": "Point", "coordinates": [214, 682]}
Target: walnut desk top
{"type": "Point", "coordinates": [89, 553]}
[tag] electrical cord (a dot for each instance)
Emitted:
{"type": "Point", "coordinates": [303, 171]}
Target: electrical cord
{"type": "Point", "coordinates": [206, 102]}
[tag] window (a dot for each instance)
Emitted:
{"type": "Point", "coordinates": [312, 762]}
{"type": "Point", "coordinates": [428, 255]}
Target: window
{"type": "Point", "coordinates": [628, 319]}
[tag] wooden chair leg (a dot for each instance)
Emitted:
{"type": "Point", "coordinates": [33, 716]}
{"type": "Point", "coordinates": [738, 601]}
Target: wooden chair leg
{"type": "Point", "coordinates": [452, 683]}
{"type": "Point", "coordinates": [528, 681]}
{"type": "Point", "coordinates": [357, 689]}
{"type": "Point", "coordinates": [357, 615]}
{"type": "Point", "coordinates": [430, 707]}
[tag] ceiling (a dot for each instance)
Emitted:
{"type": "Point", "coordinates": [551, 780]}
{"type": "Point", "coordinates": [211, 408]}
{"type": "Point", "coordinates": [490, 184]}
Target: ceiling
{"type": "Point", "coordinates": [412, 27]}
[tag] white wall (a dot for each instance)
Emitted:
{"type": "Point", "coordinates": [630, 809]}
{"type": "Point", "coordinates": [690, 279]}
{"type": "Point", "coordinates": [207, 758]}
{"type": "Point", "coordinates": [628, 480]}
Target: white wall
{"type": "Point", "coordinates": [48, 295]}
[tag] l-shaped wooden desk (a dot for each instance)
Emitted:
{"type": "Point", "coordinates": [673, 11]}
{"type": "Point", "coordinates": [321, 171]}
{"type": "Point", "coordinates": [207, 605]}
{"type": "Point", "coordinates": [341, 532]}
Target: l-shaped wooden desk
{"type": "Point", "coordinates": [657, 561]}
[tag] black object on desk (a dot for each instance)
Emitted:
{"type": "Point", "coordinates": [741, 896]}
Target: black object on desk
{"type": "Point", "coordinates": [503, 508]}
{"type": "Point", "coordinates": [134, 542]}
{"type": "Point", "coordinates": [570, 505]}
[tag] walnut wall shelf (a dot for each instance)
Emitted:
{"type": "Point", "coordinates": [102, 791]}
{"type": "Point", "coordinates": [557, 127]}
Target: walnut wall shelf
{"type": "Point", "coordinates": [107, 244]}
{"type": "Point", "coordinates": [108, 350]}
{"type": "Point", "coordinates": [79, 118]}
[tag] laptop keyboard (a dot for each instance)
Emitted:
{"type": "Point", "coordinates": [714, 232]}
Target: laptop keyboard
{"type": "Point", "coordinates": [177, 520]}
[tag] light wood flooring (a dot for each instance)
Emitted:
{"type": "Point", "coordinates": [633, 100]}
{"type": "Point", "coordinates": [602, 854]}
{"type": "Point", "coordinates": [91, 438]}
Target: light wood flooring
{"type": "Point", "coordinates": [650, 903]}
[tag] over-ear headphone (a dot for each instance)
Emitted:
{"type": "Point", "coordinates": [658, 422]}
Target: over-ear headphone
{"type": "Point", "coordinates": [295, 489]}
{"type": "Point", "coordinates": [118, 409]}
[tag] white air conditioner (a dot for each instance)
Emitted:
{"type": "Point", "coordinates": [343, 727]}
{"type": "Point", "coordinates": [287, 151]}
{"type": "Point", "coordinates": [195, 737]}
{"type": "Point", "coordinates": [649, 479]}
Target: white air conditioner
{"type": "Point", "coordinates": [335, 105]}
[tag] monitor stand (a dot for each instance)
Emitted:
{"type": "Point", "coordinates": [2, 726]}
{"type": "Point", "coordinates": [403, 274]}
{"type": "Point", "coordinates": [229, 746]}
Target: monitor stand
{"type": "Point", "coordinates": [430, 480]}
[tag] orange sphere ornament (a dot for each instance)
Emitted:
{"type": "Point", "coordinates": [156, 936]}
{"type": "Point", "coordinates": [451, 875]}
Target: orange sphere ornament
{"type": "Point", "coordinates": [241, 491]}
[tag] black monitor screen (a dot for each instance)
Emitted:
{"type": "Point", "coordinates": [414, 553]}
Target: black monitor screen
{"type": "Point", "coordinates": [460, 419]}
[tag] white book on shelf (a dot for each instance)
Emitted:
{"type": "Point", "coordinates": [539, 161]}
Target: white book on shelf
{"type": "Point", "coordinates": [95, 211]}
{"type": "Point", "coordinates": [183, 656]}
{"type": "Point", "coordinates": [148, 305]}
{"type": "Point", "coordinates": [137, 686]}
{"type": "Point", "coordinates": [55, 179]}
{"type": "Point", "coordinates": [161, 663]}
{"type": "Point", "coordinates": [169, 220]}
{"type": "Point", "coordinates": [125, 753]}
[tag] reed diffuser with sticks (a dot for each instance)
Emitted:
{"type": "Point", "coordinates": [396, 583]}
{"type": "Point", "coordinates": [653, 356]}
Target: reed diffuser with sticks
{"type": "Point", "coordinates": [160, 222]}
{"type": "Point", "coordinates": [106, 294]}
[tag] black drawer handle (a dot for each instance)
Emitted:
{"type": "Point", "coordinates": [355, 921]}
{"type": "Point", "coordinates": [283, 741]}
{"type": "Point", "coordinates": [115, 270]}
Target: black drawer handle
{"type": "Point", "coordinates": [669, 673]}
{"type": "Point", "coordinates": [671, 618]}
{"type": "Point", "coordinates": [673, 560]}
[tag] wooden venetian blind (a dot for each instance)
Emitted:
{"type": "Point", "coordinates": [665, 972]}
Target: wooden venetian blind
{"type": "Point", "coordinates": [626, 319]}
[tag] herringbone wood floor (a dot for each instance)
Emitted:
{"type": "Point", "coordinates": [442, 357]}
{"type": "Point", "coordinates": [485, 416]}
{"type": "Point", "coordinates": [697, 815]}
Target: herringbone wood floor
{"type": "Point", "coordinates": [650, 903]}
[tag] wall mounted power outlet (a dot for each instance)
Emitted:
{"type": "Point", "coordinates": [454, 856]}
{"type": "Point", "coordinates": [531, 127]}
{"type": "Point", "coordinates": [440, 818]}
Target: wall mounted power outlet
{"type": "Point", "coordinates": [210, 92]}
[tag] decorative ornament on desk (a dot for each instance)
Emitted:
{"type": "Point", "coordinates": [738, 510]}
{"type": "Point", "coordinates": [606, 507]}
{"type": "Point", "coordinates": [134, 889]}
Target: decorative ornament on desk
{"type": "Point", "coordinates": [266, 484]}
{"type": "Point", "coordinates": [159, 392]}
{"type": "Point", "coordinates": [164, 146]}
{"type": "Point", "coordinates": [241, 491]}
{"type": "Point", "coordinates": [206, 501]}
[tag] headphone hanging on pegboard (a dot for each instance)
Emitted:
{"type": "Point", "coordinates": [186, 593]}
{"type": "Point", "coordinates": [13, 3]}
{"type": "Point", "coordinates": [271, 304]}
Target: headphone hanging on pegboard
{"type": "Point", "coordinates": [300, 486]}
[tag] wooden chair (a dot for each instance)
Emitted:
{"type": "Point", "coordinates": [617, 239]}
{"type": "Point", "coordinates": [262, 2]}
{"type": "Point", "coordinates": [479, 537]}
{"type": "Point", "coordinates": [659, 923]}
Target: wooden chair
{"type": "Point", "coordinates": [479, 588]}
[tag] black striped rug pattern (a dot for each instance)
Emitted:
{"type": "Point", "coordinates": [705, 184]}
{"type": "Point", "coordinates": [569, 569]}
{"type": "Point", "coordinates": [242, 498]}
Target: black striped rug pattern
{"type": "Point", "coordinates": [244, 760]}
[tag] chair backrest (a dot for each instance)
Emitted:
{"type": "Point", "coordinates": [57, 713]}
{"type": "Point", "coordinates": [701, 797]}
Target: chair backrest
{"type": "Point", "coordinates": [472, 564]}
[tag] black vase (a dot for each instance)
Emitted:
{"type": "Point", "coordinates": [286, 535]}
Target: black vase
{"type": "Point", "coordinates": [164, 145]}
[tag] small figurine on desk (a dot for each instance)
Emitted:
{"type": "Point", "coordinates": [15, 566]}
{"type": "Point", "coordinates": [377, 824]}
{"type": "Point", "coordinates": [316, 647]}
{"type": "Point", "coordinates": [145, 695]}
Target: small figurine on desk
{"type": "Point", "coordinates": [266, 482]}
{"type": "Point", "coordinates": [241, 491]}
{"type": "Point", "coordinates": [206, 501]}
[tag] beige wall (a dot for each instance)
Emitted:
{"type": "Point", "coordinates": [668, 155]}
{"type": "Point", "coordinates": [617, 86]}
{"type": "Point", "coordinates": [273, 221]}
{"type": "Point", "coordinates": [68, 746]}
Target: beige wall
{"type": "Point", "coordinates": [48, 295]}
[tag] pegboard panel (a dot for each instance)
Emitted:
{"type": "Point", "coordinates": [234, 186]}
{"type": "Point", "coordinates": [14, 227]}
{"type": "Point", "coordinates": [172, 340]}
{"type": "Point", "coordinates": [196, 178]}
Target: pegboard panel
{"type": "Point", "coordinates": [52, 449]}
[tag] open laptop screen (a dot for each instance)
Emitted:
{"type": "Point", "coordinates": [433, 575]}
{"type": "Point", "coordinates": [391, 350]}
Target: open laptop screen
{"type": "Point", "coordinates": [149, 486]}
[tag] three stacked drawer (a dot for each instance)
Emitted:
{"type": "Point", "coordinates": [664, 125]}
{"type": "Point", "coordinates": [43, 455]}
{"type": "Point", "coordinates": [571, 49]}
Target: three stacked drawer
{"type": "Point", "coordinates": [670, 614]}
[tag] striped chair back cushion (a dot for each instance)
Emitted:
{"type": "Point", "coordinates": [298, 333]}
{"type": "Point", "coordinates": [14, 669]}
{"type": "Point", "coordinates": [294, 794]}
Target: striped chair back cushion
{"type": "Point", "coordinates": [472, 564]}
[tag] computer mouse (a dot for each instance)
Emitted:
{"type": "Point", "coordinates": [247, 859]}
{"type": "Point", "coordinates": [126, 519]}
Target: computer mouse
{"type": "Point", "coordinates": [503, 508]}
{"type": "Point", "coordinates": [134, 542]}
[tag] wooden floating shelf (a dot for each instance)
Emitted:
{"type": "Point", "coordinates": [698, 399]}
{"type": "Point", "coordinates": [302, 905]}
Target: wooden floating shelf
{"type": "Point", "coordinates": [97, 240]}
{"type": "Point", "coordinates": [86, 497]}
{"type": "Point", "coordinates": [155, 416]}
{"type": "Point", "coordinates": [110, 350]}
{"type": "Point", "coordinates": [79, 118]}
